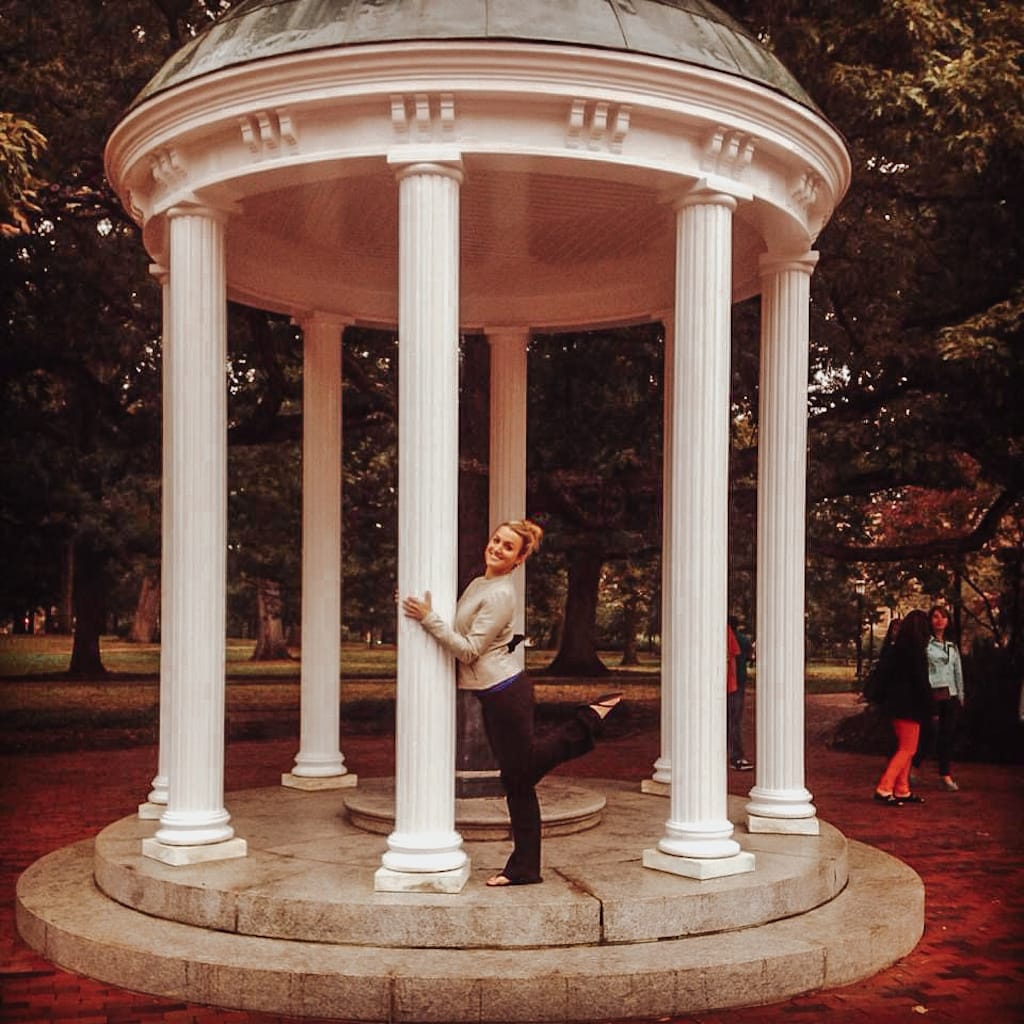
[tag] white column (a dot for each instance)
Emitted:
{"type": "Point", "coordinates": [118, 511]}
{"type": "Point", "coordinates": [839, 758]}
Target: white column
{"type": "Point", "coordinates": [424, 851]}
{"type": "Point", "coordinates": [660, 783]}
{"type": "Point", "coordinates": [698, 839]}
{"type": "Point", "coordinates": [194, 827]}
{"type": "Point", "coordinates": [779, 802]}
{"type": "Point", "coordinates": [507, 459]}
{"type": "Point", "coordinates": [156, 801]}
{"type": "Point", "coordinates": [319, 764]}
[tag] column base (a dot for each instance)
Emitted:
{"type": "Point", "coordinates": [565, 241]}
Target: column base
{"type": "Point", "coordinates": [311, 783]}
{"type": "Point", "coordinates": [656, 788]}
{"type": "Point", "coordinates": [150, 811]}
{"type": "Point", "coordinates": [451, 882]}
{"type": "Point", "coordinates": [784, 826]}
{"type": "Point", "coordinates": [699, 867]}
{"type": "Point", "coordinates": [180, 856]}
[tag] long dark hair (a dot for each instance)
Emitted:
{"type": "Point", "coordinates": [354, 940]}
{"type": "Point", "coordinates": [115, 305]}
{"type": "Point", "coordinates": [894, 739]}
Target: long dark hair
{"type": "Point", "coordinates": [915, 631]}
{"type": "Point", "coordinates": [949, 636]}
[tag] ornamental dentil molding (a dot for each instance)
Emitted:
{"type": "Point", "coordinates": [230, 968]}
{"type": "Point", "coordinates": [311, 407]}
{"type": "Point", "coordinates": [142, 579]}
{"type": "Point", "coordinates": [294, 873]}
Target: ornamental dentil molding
{"type": "Point", "coordinates": [168, 168]}
{"type": "Point", "coordinates": [728, 153]}
{"type": "Point", "coordinates": [268, 132]}
{"type": "Point", "coordinates": [423, 117]}
{"type": "Point", "coordinates": [805, 190]}
{"type": "Point", "coordinates": [597, 125]}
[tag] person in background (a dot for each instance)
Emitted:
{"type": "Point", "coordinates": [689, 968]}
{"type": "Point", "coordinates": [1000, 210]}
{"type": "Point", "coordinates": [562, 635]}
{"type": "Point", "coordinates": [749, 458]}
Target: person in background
{"type": "Point", "coordinates": [736, 687]}
{"type": "Point", "coordinates": [945, 676]}
{"type": "Point", "coordinates": [907, 701]}
{"type": "Point", "coordinates": [481, 640]}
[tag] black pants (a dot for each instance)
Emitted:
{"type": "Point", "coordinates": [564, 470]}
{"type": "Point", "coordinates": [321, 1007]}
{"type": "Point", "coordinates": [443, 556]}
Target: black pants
{"type": "Point", "coordinates": [524, 760]}
{"type": "Point", "coordinates": [734, 724]}
{"type": "Point", "coordinates": [937, 734]}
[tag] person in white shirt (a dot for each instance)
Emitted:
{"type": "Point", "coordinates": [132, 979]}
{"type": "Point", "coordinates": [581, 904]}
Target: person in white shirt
{"type": "Point", "coordinates": [482, 642]}
{"type": "Point", "coordinates": [945, 676]}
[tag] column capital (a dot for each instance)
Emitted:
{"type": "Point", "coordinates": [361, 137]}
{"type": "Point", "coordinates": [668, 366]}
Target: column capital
{"type": "Point", "coordinates": [506, 333]}
{"type": "Point", "coordinates": [712, 190]}
{"type": "Point", "coordinates": [776, 263]}
{"type": "Point", "coordinates": [309, 318]}
{"type": "Point", "coordinates": [412, 160]}
{"type": "Point", "coordinates": [196, 207]}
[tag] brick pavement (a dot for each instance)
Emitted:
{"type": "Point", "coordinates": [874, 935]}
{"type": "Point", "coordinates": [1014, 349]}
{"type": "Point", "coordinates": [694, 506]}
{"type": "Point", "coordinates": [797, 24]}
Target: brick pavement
{"type": "Point", "coordinates": [966, 846]}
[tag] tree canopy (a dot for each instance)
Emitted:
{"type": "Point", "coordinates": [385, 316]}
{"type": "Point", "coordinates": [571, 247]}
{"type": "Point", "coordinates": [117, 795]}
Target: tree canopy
{"type": "Point", "coordinates": [915, 468]}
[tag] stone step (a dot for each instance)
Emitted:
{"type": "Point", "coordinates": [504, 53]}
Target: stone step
{"type": "Point", "coordinates": [309, 877]}
{"type": "Point", "coordinates": [877, 918]}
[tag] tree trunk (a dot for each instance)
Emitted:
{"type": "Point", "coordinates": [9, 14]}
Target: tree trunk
{"type": "Point", "coordinates": [630, 624]}
{"type": "Point", "coordinates": [147, 612]}
{"type": "Point", "coordinates": [577, 654]}
{"type": "Point", "coordinates": [88, 599]}
{"type": "Point", "coordinates": [66, 612]}
{"type": "Point", "coordinates": [270, 642]}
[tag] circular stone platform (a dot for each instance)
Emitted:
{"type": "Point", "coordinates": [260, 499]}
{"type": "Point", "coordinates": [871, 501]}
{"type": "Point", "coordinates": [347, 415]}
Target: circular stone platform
{"type": "Point", "coordinates": [564, 808]}
{"type": "Point", "coordinates": [296, 928]}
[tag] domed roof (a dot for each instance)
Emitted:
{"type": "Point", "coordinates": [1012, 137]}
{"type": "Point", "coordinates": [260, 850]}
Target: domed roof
{"type": "Point", "coordinates": [689, 31]}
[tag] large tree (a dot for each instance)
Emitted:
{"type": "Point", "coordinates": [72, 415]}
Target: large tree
{"type": "Point", "coordinates": [917, 302]}
{"type": "Point", "coordinates": [916, 320]}
{"type": "Point", "coordinates": [78, 354]}
{"type": "Point", "coordinates": [594, 468]}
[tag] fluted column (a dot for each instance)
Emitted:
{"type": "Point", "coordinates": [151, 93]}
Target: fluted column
{"type": "Point", "coordinates": [195, 826]}
{"type": "Point", "coordinates": [698, 834]}
{"type": "Point", "coordinates": [507, 477]}
{"type": "Point", "coordinates": [660, 783]}
{"type": "Point", "coordinates": [779, 801]}
{"type": "Point", "coordinates": [477, 773]}
{"type": "Point", "coordinates": [319, 764]}
{"type": "Point", "coordinates": [424, 851]}
{"type": "Point", "coordinates": [156, 801]}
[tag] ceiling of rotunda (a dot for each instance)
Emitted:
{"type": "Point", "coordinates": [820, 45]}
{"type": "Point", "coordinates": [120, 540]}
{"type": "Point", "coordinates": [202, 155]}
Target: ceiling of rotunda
{"type": "Point", "coordinates": [535, 247]}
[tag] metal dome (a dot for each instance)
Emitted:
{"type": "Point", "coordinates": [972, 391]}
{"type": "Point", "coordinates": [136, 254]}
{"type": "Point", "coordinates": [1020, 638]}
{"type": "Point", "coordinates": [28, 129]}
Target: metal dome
{"type": "Point", "coordinates": [689, 31]}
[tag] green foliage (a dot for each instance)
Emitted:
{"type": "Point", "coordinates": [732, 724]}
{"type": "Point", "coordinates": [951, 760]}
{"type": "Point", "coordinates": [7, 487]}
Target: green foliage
{"type": "Point", "coordinates": [594, 472]}
{"type": "Point", "coordinates": [916, 432]}
{"type": "Point", "coordinates": [370, 482]}
{"type": "Point", "coordinates": [916, 305]}
{"type": "Point", "coordinates": [21, 145]}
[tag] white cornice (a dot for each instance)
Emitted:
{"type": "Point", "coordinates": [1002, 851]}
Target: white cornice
{"type": "Point", "coordinates": [678, 93]}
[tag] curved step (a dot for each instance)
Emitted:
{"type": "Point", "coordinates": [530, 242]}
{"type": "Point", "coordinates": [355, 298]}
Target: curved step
{"type": "Point", "coordinates": [565, 808]}
{"type": "Point", "coordinates": [874, 921]}
{"type": "Point", "coordinates": [309, 877]}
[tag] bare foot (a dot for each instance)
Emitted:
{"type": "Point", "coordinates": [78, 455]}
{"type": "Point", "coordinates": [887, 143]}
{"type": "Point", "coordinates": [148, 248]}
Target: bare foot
{"type": "Point", "coordinates": [499, 880]}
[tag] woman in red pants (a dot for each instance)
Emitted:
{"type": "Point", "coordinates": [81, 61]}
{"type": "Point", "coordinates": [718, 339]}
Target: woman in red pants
{"type": "Point", "coordinates": [482, 642]}
{"type": "Point", "coordinates": [907, 701]}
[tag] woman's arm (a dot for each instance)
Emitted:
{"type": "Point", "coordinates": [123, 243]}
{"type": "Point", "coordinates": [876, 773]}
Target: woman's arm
{"type": "Point", "coordinates": [958, 674]}
{"type": "Point", "coordinates": [492, 617]}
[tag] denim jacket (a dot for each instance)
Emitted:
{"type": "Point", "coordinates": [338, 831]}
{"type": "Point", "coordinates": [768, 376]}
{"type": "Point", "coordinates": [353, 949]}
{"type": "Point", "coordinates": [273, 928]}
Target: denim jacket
{"type": "Point", "coordinates": [944, 667]}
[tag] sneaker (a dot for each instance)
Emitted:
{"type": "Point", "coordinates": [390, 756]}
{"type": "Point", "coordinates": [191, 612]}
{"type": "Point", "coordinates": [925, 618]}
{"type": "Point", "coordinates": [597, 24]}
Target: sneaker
{"type": "Point", "coordinates": [949, 785]}
{"type": "Point", "coordinates": [741, 764]}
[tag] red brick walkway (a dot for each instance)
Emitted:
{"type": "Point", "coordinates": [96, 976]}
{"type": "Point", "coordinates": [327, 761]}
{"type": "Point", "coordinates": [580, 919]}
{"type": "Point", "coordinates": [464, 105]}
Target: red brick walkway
{"type": "Point", "coordinates": [967, 846]}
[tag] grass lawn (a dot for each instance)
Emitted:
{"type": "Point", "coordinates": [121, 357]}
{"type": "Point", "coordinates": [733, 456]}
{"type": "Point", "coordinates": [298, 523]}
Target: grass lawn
{"type": "Point", "coordinates": [41, 660]}
{"type": "Point", "coordinates": [37, 700]}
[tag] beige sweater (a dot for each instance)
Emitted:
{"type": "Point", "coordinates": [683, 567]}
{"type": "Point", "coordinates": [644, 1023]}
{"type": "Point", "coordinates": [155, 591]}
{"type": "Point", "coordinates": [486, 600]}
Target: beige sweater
{"type": "Point", "coordinates": [480, 636]}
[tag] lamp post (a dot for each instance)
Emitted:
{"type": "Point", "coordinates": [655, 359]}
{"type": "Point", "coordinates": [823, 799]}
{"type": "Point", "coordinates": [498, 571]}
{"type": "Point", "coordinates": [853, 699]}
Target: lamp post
{"type": "Point", "coordinates": [859, 586]}
{"type": "Point", "coordinates": [872, 616]}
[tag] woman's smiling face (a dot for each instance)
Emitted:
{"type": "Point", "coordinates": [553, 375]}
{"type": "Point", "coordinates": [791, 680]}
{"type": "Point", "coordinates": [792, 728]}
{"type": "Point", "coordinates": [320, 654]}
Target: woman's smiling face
{"type": "Point", "coordinates": [503, 552]}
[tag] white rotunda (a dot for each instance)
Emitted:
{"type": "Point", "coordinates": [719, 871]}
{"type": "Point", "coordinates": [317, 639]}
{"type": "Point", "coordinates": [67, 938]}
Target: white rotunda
{"type": "Point", "coordinates": [499, 167]}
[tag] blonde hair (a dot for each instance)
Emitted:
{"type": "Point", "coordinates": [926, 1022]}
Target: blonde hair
{"type": "Point", "coordinates": [528, 532]}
